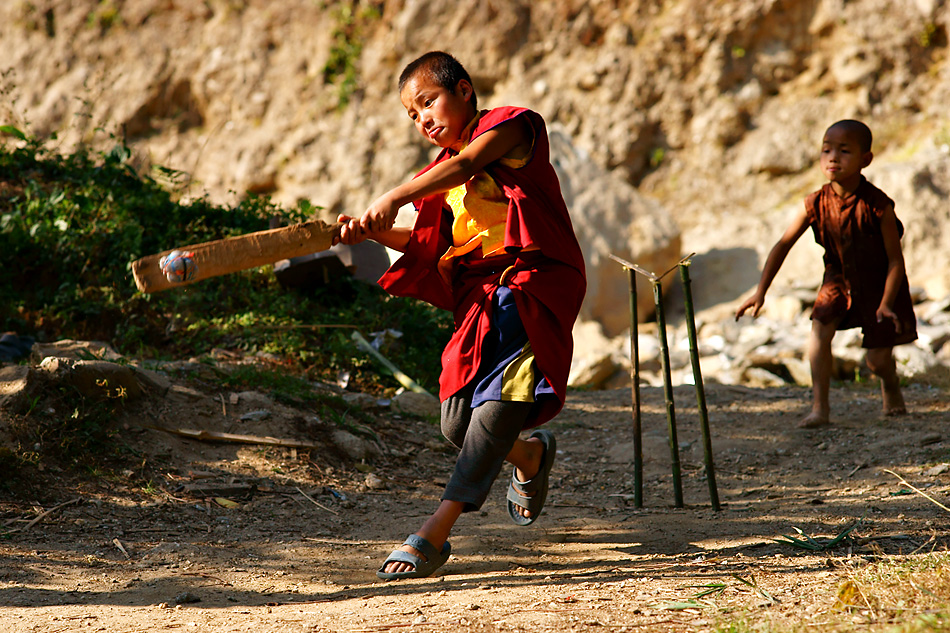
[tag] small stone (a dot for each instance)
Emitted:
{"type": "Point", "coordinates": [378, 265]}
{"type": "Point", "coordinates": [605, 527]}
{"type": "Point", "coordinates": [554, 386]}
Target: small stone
{"type": "Point", "coordinates": [186, 597]}
{"type": "Point", "coordinates": [939, 469]}
{"type": "Point", "coordinates": [373, 482]}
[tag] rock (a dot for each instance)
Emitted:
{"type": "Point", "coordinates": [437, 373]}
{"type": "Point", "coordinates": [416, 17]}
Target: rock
{"type": "Point", "coordinates": [373, 482]}
{"type": "Point", "coordinates": [912, 360]}
{"type": "Point", "coordinates": [918, 187]}
{"type": "Point", "coordinates": [932, 337]}
{"type": "Point", "coordinates": [800, 371]}
{"type": "Point", "coordinates": [854, 65]}
{"type": "Point", "coordinates": [18, 384]}
{"type": "Point", "coordinates": [152, 381]}
{"type": "Point", "coordinates": [251, 399]}
{"type": "Point", "coordinates": [95, 379]}
{"type": "Point", "coordinates": [934, 311]}
{"type": "Point", "coordinates": [74, 350]}
{"type": "Point", "coordinates": [419, 404]}
{"type": "Point", "coordinates": [256, 416]}
{"type": "Point", "coordinates": [186, 394]}
{"type": "Point", "coordinates": [599, 358]}
{"type": "Point", "coordinates": [360, 400]}
{"type": "Point", "coordinates": [354, 447]}
{"type": "Point", "coordinates": [939, 469]}
{"type": "Point", "coordinates": [592, 371]}
{"type": "Point", "coordinates": [758, 377]}
{"type": "Point", "coordinates": [782, 139]}
{"type": "Point", "coordinates": [611, 217]}
{"type": "Point", "coordinates": [187, 597]}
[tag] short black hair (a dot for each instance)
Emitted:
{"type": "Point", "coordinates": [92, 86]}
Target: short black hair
{"type": "Point", "coordinates": [861, 132]}
{"type": "Point", "coordinates": [442, 68]}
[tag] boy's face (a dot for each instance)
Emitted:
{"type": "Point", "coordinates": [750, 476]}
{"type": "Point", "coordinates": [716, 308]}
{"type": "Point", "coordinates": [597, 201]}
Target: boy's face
{"type": "Point", "coordinates": [438, 113]}
{"type": "Point", "coordinates": [842, 157]}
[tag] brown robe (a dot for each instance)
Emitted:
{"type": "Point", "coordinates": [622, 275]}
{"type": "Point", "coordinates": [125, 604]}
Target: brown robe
{"type": "Point", "coordinates": [856, 262]}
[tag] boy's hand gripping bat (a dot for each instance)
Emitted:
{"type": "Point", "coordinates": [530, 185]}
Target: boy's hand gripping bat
{"type": "Point", "coordinates": [188, 264]}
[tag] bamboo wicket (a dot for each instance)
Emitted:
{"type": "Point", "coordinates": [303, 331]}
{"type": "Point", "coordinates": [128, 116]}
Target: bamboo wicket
{"type": "Point", "coordinates": [656, 280]}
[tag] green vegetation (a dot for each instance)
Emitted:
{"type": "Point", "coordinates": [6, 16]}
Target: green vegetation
{"type": "Point", "coordinates": [105, 16]}
{"type": "Point", "coordinates": [70, 226]}
{"type": "Point", "coordinates": [348, 35]}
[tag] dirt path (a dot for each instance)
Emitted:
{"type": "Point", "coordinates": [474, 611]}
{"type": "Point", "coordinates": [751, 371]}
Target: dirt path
{"type": "Point", "coordinates": [121, 558]}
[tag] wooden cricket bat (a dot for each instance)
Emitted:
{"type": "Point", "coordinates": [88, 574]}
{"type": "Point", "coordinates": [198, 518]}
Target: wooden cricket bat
{"type": "Point", "coordinates": [221, 257]}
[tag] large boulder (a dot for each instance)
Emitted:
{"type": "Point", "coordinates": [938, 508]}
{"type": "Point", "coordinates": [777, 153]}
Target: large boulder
{"type": "Point", "coordinates": [919, 188]}
{"type": "Point", "coordinates": [611, 217]}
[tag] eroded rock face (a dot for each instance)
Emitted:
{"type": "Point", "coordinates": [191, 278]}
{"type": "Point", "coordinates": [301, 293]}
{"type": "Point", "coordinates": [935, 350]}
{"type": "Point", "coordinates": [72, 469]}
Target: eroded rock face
{"type": "Point", "coordinates": [611, 218]}
{"type": "Point", "coordinates": [713, 110]}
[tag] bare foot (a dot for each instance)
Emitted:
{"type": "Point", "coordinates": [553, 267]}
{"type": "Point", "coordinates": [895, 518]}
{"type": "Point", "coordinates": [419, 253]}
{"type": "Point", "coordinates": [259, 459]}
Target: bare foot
{"type": "Point", "coordinates": [814, 420]}
{"type": "Point", "coordinates": [893, 400]}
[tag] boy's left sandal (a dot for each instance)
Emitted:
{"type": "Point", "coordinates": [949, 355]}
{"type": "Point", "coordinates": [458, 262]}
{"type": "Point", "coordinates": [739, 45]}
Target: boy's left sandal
{"type": "Point", "coordinates": [532, 494]}
{"type": "Point", "coordinates": [421, 567]}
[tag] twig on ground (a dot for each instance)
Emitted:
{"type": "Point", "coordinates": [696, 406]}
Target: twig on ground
{"type": "Point", "coordinates": [857, 468]}
{"type": "Point", "coordinates": [45, 514]}
{"type": "Point", "coordinates": [933, 537]}
{"type": "Point", "coordinates": [403, 379]}
{"type": "Point", "coordinates": [122, 549]}
{"type": "Point", "coordinates": [314, 502]}
{"type": "Point", "coordinates": [920, 492]}
{"type": "Point", "coordinates": [215, 436]}
{"type": "Point", "coordinates": [334, 541]}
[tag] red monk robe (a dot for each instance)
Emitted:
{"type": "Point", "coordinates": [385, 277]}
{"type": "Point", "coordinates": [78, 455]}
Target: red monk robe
{"type": "Point", "coordinates": [548, 285]}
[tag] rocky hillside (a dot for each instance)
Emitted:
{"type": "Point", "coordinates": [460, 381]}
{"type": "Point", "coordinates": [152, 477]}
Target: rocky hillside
{"type": "Point", "coordinates": [683, 126]}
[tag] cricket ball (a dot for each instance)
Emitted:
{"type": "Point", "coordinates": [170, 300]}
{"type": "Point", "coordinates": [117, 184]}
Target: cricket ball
{"type": "Point", "coordinates": [178, 266]}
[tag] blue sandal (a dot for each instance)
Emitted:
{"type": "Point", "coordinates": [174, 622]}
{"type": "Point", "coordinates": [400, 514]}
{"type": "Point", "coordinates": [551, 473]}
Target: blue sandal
{"type": "Point", "coordinates": [532, 494]}
{"type": "Point", "coordinates": [422, 567]}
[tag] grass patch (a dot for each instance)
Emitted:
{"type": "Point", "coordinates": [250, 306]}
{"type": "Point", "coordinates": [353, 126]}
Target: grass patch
{"type": "Point", "coordinates": [908, 594]}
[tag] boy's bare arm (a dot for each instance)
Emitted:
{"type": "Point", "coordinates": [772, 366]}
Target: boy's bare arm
{"type": "Point", "coordinates": [487, 148]}
{"type": "Point", "coordinates": [774, 262]}
{"type": "Point", "coordinates": [895, 267]}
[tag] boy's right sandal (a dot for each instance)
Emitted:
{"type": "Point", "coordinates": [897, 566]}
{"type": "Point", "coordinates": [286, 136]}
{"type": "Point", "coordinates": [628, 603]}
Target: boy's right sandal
{"type": "Point", "coordinates": [421, 567]}
{"type": "Point", "coordinates": [532, 494]}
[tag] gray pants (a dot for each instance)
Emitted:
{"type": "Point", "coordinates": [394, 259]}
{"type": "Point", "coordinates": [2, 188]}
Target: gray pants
{"type": "Point", "coordinates": [484, 436]}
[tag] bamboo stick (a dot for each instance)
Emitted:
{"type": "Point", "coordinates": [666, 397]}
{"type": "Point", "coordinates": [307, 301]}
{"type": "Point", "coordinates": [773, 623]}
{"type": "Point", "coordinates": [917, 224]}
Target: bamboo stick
{"type": "Point", "coordinates": [700, 391]}
{"type": "Point", "coordinates": [635, 394]}
{"type": "Point", "coordinates": [668, 394]}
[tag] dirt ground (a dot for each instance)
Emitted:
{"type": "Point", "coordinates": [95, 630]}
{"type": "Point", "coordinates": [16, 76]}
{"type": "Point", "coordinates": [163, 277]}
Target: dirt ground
{"type": "Point", "coordinates": [299, 549]}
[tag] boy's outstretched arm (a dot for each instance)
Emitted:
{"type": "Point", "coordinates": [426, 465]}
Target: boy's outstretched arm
{"type": "Point", "coordinates": [895, 267]}
{"type": "Point", "coordinates": [485, 149]}
{"type": "Point", "coordinates": [774, 262]}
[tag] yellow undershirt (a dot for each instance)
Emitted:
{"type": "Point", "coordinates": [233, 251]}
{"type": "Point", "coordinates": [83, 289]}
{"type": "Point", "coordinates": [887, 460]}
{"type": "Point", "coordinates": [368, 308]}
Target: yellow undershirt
{"type": "Point", "coordinates": [480, 209]}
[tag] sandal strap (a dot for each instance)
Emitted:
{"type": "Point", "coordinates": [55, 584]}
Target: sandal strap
{"type": "Point", "coordinates": [403, 557]}
{"type": "Point", "coordinates": [428, 550]}
{"type": "Point", "coordinates": [528, 487]}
